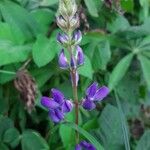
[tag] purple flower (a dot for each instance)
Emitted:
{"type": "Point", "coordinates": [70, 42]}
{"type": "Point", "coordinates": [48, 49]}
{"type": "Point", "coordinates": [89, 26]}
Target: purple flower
{"type": "Point", "coordinates": [57, 105]}
{"type": "Point", "coordinates": [80, 56]}
{"type": "Point", "coordinates": [62, 61]}
{"type": "Point", "coordinates": [94, 94]}
{"type": "Point", "coordinates": [77, 37]}
{"type": "Point", "coordinates": [85, 145]}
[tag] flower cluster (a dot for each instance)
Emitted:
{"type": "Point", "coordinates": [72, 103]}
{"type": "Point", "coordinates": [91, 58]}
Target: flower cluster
{"type": "Point", "coordinates": [58, 106]}
{"type": "Point", "coordinates": [93, 95]}
{"type": "Point", "coordinates": [85, 145]}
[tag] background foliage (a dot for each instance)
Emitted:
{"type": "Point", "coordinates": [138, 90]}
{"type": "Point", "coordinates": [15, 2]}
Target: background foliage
{"type": "Point", "coordinates": [117, 47]}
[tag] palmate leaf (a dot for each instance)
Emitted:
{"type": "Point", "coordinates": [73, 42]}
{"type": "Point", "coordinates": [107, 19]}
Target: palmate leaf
{"type": "Point", "coordinates": [88, 136]}
{"type": "Point", "coordinates": [119, 71]}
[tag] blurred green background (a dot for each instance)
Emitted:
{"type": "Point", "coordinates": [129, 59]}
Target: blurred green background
{"type": "Point", "coordinates": [116, 43]}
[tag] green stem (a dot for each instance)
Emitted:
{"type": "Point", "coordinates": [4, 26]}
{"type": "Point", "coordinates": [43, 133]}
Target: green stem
{"type": "Point", "coordinates": [8, 72]}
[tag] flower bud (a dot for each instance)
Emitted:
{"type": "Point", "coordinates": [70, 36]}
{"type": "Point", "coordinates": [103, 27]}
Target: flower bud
{"type": "Point", "coordinates": [74, 22]}
{"type": "Point", "coordinates": [77, 37]}
{"type": "Point", "coordinates": [62, 23]}
{"type": "Point", "coordinates": [73, 62]}
{"type": "Point", "coordinates": [67, 8]}
{"type": "Point", "coordinates": [62, 61]}
{"type": "Point", "coordinates": [63, 38]}
{"type": "Point", "coordinates": [80, 56]}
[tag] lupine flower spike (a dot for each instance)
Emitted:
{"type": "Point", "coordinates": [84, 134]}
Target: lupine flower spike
{"type": "Point", "coordinates": [70, 37]}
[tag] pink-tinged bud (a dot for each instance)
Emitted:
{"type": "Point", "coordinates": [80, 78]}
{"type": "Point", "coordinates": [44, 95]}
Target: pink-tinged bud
{"type": "Point", "coordinates": [63, 63]}
{"type": "Point", "coordinates": [62, 38]}
{"type": "Point", "coordinates": [80, 56]}
{"type": "Point", "coordinates": [77, 37]}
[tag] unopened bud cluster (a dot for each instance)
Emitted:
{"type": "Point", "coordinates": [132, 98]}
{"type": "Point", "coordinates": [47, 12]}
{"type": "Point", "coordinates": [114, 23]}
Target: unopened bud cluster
{"type": "Point", "coordinates": [67, 18]}
{"type": "Point", "coordinates": [68, 21]}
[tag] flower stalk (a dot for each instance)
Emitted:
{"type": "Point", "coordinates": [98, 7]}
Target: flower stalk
{"type": "Point", "coordinates": [68, 21]}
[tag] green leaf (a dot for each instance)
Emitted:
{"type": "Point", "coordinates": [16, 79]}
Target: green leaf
{"type": "Point", "coordinates": [48, 2]}
{"type": "Point", "coordinates": [86, 135]}
{"type": "Point", "coordinates": [92, 7]}
{"type": "Point", "coordinates": [11, 137]}
{"type": "Point", "coordinates": [5, 124]}
{"type": "Point", "coordinates": [91, 124]}
{"type": "Point", "coordinates": [101, 56]}
{"type": "Point", "coordinates": [10, 53]}
{"type": "Point", "coordinates": [3, 146]}
{"type": "Point", "coordinates": [17, 16]}
{"type": "Point", "coordinates": [127, 5]}
{"type": "Point", "coordinates": [119, 24]}
{"type": "Point", "coordinates": [144, 143]}
{"type": "Point", "coordinates": [67, 139]}
{"type": "Point", "coordinates": [110, 131]}
{"type": "Point", "coordinates": [123, 123]}
{"type": "Point", "coordinates": [145, 63]}
{"type": "Point", "coordinates": [44, 17]}
{"type": "Point", "coordinates": [86, 70]}
{"type": "Point", "coordinates": [119, 71]}
{"type": "Point", "coordinates": [31, 140]}
{"type": "Point", "coordinates": [43, 52]}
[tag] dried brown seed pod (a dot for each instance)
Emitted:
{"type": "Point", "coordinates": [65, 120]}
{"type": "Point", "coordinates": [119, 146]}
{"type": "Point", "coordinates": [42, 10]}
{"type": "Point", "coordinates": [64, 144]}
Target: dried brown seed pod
{"type": "Point", "coordinates": [26, 86]}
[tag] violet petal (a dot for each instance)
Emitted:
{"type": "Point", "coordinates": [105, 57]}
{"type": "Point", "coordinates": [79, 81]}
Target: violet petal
{"type": "Point", "coordinates": [67, 106]}
{"type": "Point", "coordinates": [80, 56]}
{"type": "Point", "coordinates": [49, 103]}
{"type": "Point", "coordinates": [78, 147]}
{"type": "Point", "coordinates": [58, 96]}
{"type": "Point", "coordinates": [88, 105]}
{"type": "Point", "coordinates": [73, 62]}
{"type": "Point", "coordinates": [101, 93]}
{"type": "Point", "coordinates": [63, 63]}
{"type": "Point", "coordinates": [56, 115]}
{"type": "Point", "coordinates": [91, 90]}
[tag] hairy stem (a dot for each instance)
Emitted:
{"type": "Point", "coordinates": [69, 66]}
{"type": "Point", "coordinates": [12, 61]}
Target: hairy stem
{"type": "Point", "coordinates": [75, 95]}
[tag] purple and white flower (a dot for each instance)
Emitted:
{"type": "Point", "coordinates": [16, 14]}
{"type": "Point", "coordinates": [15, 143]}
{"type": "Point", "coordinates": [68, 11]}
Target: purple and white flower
{"type": "Point", "coordinates": [94, 94]}
{"type": "Point", "coordinates": [57, 105]}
